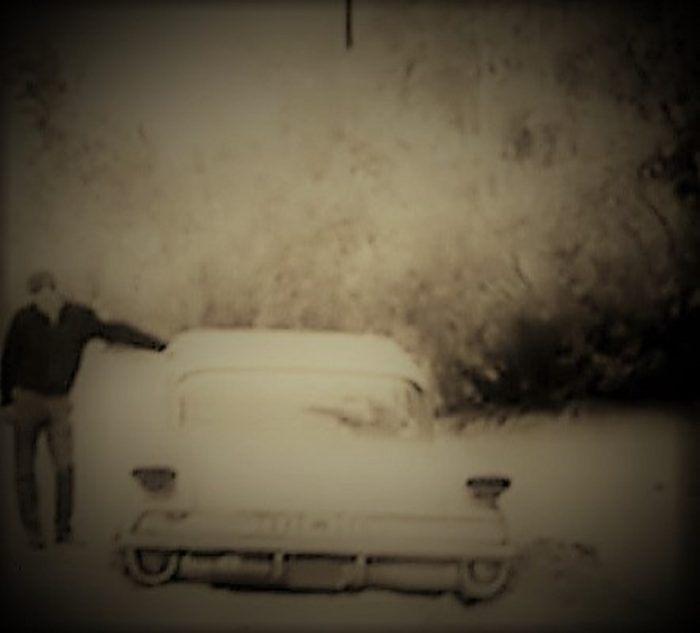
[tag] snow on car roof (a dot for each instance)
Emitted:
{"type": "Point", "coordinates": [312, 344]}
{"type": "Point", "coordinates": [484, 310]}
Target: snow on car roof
{"type": "Point", "coordinates": [201, 349]}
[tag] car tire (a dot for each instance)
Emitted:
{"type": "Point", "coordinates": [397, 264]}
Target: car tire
{"type": "Point", "coordinates": [480, 580]}
{"type": "Point", "coordinates": [151, 567]}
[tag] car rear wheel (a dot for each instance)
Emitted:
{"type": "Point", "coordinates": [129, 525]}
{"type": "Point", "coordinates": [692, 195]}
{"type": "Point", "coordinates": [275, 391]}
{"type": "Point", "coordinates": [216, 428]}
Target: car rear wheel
{"type": "Point", "coordinates": [151, 567]}
{"type": "Point", "coordinates": [482, 579]}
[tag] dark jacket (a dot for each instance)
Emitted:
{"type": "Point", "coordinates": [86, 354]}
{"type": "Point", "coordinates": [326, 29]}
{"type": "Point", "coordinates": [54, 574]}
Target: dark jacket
{"type": "Point", "coordinates": [45, 357]}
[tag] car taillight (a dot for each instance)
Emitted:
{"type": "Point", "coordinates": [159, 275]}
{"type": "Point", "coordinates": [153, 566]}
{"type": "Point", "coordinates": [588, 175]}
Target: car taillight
{"type": "Point", "coordinates": [155, 478]}
{"type": "Point", "coordinates": [488, 488]}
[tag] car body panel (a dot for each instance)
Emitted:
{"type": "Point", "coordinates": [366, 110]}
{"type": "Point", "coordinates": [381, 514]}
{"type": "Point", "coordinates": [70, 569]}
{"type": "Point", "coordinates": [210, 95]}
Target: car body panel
{"type": "Point", "coordinates": [209, 349]}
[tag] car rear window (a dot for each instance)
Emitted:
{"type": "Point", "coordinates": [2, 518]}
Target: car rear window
{"type": "Point", "coordinates": [240, 398]}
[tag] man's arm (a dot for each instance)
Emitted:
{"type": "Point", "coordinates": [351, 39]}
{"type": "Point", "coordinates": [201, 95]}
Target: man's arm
{"type": "Point", "coordinates": [11, 357]}
{"type": "Point", "coordinates": [123, 334]}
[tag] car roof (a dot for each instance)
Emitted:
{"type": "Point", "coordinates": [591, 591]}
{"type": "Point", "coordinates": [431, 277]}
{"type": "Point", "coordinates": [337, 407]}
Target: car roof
{"type": "Point", "coordinates": [231, 348]}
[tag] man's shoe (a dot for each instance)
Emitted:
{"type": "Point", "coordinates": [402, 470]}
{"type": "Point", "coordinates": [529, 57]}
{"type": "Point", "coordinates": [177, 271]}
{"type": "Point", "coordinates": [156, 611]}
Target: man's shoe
{"type": "Point", "coordinates": [64, 537]}
{"type": "Point", "coordinates": [36, 542]}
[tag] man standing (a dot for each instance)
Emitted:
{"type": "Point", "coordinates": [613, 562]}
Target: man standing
{"type": "Point", "coordinates": [40, 361]}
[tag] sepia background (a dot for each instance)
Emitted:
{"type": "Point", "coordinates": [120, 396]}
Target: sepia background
{"type": "Point", "coordinates": [509, 189]}
{"type": "Point", "coordinates": [468, 176]}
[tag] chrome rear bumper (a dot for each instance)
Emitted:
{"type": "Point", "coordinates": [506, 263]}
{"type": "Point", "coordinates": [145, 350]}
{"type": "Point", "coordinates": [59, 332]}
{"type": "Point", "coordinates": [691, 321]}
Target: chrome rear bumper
{"type": "Point", "coordinates": [328, 552]}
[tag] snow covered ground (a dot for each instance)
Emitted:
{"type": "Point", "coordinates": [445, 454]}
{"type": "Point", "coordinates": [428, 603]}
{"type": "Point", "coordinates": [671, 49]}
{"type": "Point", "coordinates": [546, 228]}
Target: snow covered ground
{"type": "Point", "coordinates": [597, 510]}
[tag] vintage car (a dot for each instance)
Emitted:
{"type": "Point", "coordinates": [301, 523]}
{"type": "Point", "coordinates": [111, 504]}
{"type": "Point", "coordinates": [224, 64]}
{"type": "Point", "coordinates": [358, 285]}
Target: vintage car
{"type": "Point", "coordinates": [308, 460]}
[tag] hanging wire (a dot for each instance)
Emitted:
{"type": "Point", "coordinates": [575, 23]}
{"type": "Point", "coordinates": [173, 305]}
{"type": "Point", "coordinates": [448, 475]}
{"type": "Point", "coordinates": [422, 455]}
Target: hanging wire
{"type": "Point", "coordinates": [348, 23]}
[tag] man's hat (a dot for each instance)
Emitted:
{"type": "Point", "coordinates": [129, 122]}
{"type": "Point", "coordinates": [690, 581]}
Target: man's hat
{"type": "Point", "coordinates": [39, 280]}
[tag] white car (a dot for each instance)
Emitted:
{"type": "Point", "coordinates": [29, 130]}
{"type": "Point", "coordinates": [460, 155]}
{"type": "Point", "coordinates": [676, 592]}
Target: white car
{"type": "Point", "coordinates": [308, 460]}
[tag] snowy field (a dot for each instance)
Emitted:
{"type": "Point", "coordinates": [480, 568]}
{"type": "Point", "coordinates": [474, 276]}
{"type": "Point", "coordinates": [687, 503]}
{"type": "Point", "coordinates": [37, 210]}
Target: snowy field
{"type": "Point", "coordinates": [598, 510]}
